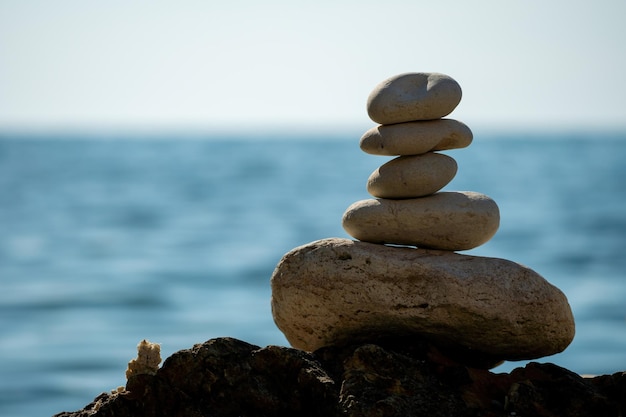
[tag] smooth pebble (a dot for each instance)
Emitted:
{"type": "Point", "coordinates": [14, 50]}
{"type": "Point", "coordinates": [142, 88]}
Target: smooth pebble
{"type": "Point", "coordinates": [413, 96]}
{"type": "Point", "coordinates": [416, 138]}
{"type": "Point", "coordinates": [447, 220]}
{"type": "Point", "coordinates": [412, 176]}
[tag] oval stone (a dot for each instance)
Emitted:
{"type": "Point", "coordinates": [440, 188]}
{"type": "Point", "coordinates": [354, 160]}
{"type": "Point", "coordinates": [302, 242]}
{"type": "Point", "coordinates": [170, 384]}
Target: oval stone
{"type": "Point", "coordinates": [416, 138]}
{"type": "Point", "coordinates": [336, 291]}
{"type": "Point", "coordinates": [413, 96]}
{"type": "Point", "coordinates": [449, 220]}
{"type": "Point", "coordinates": [412, 176]}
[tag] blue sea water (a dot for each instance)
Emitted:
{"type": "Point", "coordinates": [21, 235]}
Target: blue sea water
{"type": "Point", "coordinates": [105, 242]}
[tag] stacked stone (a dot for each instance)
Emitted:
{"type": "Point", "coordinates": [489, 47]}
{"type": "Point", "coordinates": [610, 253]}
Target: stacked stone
{"type": "Point", "coordinates": [409, 209]}
{"type": "Point", "coordinates": [336, 291]}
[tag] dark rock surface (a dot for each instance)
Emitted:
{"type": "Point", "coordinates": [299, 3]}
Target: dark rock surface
{"type": "Point", "coordinates": [227, 377]}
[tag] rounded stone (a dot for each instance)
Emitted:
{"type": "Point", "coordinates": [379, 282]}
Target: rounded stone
{"type": "Point", "coordinates": [414, 138]}
{"type": "Point", "coordinates": [413, 96]}
{"type": "Point", "coordinates": [412, 176]}
{"type": "Point", "coordinates": [448, 220]}
{"type": "Point", "coordinates": [336, 291]}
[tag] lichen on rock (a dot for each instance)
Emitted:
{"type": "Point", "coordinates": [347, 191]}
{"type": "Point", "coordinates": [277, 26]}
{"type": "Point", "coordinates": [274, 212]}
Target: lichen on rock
{"type": "Point", "coordinates": [147, 361]}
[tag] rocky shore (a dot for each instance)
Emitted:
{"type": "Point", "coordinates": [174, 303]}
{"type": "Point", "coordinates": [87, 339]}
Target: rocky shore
{"type": "Point", "coordinates": [226, 377]}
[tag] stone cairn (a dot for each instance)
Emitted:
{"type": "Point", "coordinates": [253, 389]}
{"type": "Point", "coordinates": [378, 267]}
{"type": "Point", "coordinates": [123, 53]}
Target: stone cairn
{"type": "Point", "coordinates": [403, 278]}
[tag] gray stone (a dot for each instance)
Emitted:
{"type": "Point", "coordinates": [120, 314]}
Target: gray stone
{"type": "Point", "coordinates": [416, 138]}
{"type": "Point", "coordinates": [447, 220]}
{"type": "Point", "coordinates": [413, 96]}
{"type": "Point", "coordinates": [338, 291]}
{"type": "Point", "coordinates": [412, 176]}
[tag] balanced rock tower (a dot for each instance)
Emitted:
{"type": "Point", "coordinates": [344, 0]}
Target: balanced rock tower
{"type": "Point", "coordinates": [403, 278]}
{"type": "Point", "coordinates": [410, 108]}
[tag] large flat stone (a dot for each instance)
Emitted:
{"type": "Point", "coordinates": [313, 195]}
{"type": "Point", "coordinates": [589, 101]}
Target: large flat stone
{"type": "Point", "coordinates": [336, 291]}
{"type": "Point", "coordinates": [448, 220]}
{"type": "Point", "coordinates": [413, 96]}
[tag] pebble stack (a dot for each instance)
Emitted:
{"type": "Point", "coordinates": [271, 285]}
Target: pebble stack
{"type": "Point", "coordinates": [409, 210]}
{"type": "Point", "coordinates": [336, 291]}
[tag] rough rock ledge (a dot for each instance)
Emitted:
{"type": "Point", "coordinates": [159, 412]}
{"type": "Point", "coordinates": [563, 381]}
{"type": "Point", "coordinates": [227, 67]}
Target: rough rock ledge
{"type": "Point", "coordinates": [388, 377]}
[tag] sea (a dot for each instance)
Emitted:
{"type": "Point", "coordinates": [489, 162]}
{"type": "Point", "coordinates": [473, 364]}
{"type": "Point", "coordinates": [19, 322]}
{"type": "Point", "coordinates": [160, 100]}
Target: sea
{"type": "Point", "coordinates": [106, 240]}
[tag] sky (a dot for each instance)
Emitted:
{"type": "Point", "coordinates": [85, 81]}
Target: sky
{"type": "Point", "coordinates": [247, 65]}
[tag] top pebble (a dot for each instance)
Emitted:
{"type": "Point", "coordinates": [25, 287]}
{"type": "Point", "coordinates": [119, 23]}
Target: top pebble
{"type": "Point", "coordinates": [412, 97]}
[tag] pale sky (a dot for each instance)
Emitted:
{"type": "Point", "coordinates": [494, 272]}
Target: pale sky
{"type": "Point", "coordinates": [287, 64]}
